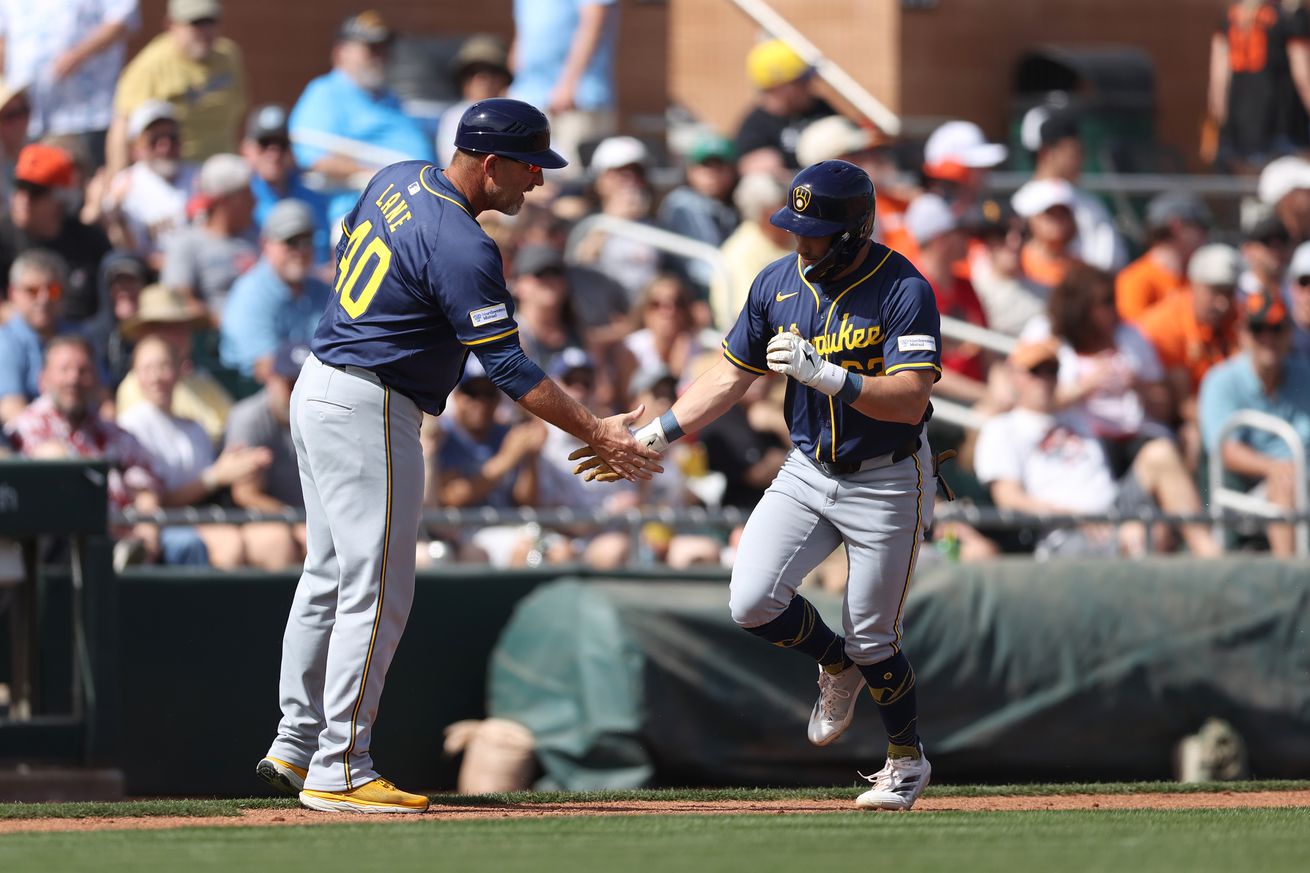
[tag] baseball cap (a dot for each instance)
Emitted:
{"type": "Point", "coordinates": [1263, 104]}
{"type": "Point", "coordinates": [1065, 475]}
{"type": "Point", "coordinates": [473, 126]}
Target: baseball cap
{"type": "Point", "coordinates": [44, 165]}
{"type": "Point", "coordinates": [619, 151]}
{"type": "Point", "coordinates": [957, 146]}
{"type": "Point", "coordinates": [1264, 309]}
{"type": "Point", "coordinates": [221, 175]}
{"type": "Point", "coordinates": [711, 146]}
{"type": "Point", "coordinates": [287, 219]}
{"type": "Point", "coordinates": [1030, 353]}
{"type": "Point", "coordinates": [928, 217]}
{"type": "Point", "coordinates": [367, 27]}
{"type": "Point", "coordinates": [147, 114]}
{"type": "Point", "coordinates": [160, 304]}
{"type": "Point", "coordinates": [1040, 195]}
{"type": "Point", "coordinates": [1173, 206]}
{"type": "Point", "coordinates": [1300, 263]}
{"type": "Point", "coordinates": [774, 63]}
{"type": "Point", "coordinates": [1281, 177]}
{"type": "Point", "coordinates": [1215, 264]}
{"type": "Point", "coordinates": [118, 264]}
{"type": "Point", "coordinates": [187, 11]}
{"type": "Point", "coordinates": [1044, 126]}
{"type": "Point", "coordinates": [481, 49]}
{"type": "Point", "coordinates": [267, 122]}
{"type": "Point", "coordinates": [289, 358]}
{"type": "Point", "coordinates": [536, 258]}
{"type": "Point", "coordinates": [568, 360]}
{"type": "Point", "coordinates": [986, 216]}
{"type": "Point", "coordinates": [831, 137]}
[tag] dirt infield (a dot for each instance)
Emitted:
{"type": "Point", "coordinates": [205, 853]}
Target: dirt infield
{"type": "Point", "coordinates": [439, 811]}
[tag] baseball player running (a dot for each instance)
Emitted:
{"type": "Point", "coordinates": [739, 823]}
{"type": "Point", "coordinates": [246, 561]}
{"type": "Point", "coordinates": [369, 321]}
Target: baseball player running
{"type": "Point", "coordinates": [855, 329]}
{"type": "Point", "coordinates": [418, 287]}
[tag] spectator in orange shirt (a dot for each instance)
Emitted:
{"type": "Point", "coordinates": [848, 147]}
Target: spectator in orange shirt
{"type": "Point", "coordinates": [1047, 206]}
{"type": "Point", "coordinates": [1196, 329]}
{"type": "Point", "coordinates": [1176, 227]}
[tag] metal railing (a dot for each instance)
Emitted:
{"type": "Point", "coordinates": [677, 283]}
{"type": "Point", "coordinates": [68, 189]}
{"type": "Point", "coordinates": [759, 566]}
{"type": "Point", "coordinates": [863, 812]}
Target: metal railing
{"type": "Point", "coordinates": [1223, 498]}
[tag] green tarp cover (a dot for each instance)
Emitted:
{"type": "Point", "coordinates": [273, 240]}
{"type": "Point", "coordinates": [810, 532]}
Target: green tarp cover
{"type": "Point", "coordinates": [1026, 671]}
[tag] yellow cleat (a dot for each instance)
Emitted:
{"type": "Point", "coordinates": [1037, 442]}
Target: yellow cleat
{"type": "Point", "coordinates": [284, 777]}
{"type": "Point", "coordinates": [378, 796]}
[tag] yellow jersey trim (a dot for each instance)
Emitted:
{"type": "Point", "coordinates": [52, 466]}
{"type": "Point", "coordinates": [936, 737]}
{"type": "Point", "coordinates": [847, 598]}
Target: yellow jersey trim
{"type": "Point", "coordinates": [382, 593]}
{"type": "Point", "coordinates": [492, 339]}
{"type": "Point", "coordinates": [912, 365]}
{"type": "Point", "coordinates": [827, 323]}
{"type": "Point", "coordinates": [914, 551]}
{"type": "Point", "coordinates": [740, 363]}
{"type": "Point", "coordinates": [801, 273]}
{"type": "Point", "coordinates": [436, 193]}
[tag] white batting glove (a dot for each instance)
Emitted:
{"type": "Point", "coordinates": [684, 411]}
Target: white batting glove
{"type": "Point", "coordinates": [794, 356]}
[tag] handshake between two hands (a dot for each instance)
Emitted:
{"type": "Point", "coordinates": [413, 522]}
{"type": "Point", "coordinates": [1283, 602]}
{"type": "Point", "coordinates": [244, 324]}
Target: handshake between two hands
{"type": "Point", "coordinates": [787, 353]}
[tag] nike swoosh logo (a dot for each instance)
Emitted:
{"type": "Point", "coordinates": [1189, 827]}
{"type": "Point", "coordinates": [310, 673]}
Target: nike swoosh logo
{"type": "Point", "coordinates": [782, 297]}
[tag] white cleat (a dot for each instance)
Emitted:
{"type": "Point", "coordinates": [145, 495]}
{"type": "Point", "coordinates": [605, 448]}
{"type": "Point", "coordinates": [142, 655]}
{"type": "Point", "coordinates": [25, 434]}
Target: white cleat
{"type": "Point", "coordinates": [835, 708]}
{"type": "Point", "coordinates": [898, 784]}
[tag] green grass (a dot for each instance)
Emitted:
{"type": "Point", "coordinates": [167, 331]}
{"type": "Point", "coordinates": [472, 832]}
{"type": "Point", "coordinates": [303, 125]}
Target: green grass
{"type": "Point", "coordinates": [192, 807]}
{"type": "Point", "coordinates": [1267, 840]}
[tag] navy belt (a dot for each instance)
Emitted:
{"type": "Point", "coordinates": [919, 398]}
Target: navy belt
{"type": "Point", "coordinates": [847, 468]}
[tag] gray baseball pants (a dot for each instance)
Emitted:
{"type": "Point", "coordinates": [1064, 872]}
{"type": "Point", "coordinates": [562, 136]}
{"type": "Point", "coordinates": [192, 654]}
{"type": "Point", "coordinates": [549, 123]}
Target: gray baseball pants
{"type": "Point", "coordinates": [357, 445]}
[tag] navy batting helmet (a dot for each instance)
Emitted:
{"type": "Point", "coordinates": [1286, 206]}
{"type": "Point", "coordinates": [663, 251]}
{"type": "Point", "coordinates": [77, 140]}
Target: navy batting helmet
{"type": "Point", "coordinates": [830, 198]}
{"type": "Point", "coordinates": [509, 128]}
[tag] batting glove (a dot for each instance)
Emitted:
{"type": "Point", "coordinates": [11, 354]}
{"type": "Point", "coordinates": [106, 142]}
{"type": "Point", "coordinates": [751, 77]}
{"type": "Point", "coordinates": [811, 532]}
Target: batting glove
{"type": "Point", "coordinates": [794, 356]}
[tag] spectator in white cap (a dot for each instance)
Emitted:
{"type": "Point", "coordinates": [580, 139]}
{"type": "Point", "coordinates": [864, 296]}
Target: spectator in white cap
{"type": "Point", "coordinates": [205, 258]}
{"type": "Point", "coordinates": [1055, 138]}
{"type": "Point", "coordinates": [277, 299]}
{"type": "Point", "coordinates": [618, 168]}
{"type": "Point", "coordinates": [1047, 206]}
{"type": "Point", "coordinates": [942, 243]}
{"type": "Point", "coordinates": [1195, 329]}
{"type": "Point", "coordinates": [753, 245]}
{"type": "Point", "coordinates": [147, 201]}
{"type": "Point", "coordinates": [1298, 302]}
{"type": "Point", "coordinates": [955, 160]}
{"type": "Point", "coordinates": [1284, 186]}
{"type": "Point", "coordinates": [69, 53]}
{"type": "Point", "coordinates": [274, 175]}
{"type": "Point", "coordinates": [1176, 225]}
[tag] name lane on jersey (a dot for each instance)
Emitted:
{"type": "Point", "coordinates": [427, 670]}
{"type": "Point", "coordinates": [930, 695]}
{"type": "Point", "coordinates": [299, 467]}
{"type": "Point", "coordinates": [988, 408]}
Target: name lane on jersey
{"type": "Point", "coordinates": [394, 207]}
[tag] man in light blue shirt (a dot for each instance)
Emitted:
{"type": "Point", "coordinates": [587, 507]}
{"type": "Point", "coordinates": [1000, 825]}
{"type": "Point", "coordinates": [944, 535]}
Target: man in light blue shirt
{"type": "Point", "coordinates": [36, 281]}
{"type": "Point", "coordinates": [278, 300]}
{"type": "Point", "coordinates": [274, 175]}
{"type": "Point", "coordinates": [1265, 378]}
{"type": "Point", "coordinates": [347, 124]}
{"type": "Point", "coordinates": [564, 65]}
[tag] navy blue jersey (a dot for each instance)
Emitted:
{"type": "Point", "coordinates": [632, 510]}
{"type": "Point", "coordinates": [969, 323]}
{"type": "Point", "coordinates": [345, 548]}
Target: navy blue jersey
{"type": "Point", "coordinates": [878, 320]}
{"type": "Point", "coordinates": [418, 286]}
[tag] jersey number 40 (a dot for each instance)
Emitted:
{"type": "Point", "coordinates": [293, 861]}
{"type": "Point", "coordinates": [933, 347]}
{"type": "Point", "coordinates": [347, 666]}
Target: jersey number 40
{"type": "Point", "coordinates": [376, 259]}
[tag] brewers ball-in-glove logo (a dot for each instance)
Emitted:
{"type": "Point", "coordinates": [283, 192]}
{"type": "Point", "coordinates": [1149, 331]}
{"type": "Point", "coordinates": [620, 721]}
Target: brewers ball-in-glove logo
{"type": "Point", "coordinates": [800, 199]}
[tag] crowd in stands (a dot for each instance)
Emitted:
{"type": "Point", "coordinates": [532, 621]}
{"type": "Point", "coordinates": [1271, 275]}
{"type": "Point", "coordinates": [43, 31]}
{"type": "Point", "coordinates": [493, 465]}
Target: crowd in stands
{"type": "Point", "coordinates": [167, 250]}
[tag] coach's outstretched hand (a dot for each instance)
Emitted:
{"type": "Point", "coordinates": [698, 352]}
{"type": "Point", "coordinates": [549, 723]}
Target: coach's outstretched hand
{"type": "Point", "coordinates": [613, 453]}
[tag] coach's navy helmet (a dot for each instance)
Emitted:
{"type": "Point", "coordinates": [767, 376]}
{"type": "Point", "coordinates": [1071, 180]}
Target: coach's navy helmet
{"type": "Point", "coordinates": [510, 129]}
{"type": "Point", "coordinates": [830, 198]}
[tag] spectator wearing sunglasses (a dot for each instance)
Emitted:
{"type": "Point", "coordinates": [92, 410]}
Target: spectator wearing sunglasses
{"type": "Point", "coordinates": [147, 201]}
{"type": "Point", "coordinates": [42, 214]}
{"type": "Point", "coordinates": [274, 175]}
{"type": "Point", "coordinates": [279, 299]}
{"type": "Point", "coordinates": [1297, 300]}
{"type": "Point", "coordinates": [35, 287]}
{"type": "Point", "coordinates": [1265, 377]}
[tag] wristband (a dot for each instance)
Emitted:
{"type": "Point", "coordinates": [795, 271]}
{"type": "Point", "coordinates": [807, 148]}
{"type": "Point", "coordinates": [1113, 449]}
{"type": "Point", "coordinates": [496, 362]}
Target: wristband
{"type": "Point", "coordinates": [850, 389]}
{"type": "Point", "coordinates": [672, 430]}
{"type": "Point", "coordinates": [651, 435]}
